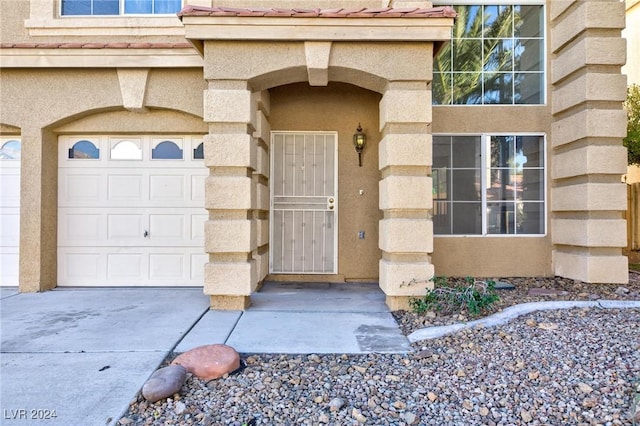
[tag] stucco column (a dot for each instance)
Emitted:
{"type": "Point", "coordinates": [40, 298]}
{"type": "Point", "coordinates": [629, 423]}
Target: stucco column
{"type": "Point", "coordinates": [230, 194]}
{"type": "Point", "coordinates": [262, 137]}
{"type": "Point", "coordinates": [39, 211]}
{"type": "Point", "coordinates": [587, 157]}
{"type": "Point", "coordinates": [406, 230]}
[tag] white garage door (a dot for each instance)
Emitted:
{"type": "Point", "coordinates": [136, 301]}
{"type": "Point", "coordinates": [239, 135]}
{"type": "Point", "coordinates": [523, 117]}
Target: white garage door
{"type": "Point", "coordinates": [131, 211]}
{"type": "Point", "coordinates": [9, 210]}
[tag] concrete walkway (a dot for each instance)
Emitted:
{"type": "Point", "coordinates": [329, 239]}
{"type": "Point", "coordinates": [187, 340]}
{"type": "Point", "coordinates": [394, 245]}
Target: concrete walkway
{"type": "Point", "coordinates": [83, 354]}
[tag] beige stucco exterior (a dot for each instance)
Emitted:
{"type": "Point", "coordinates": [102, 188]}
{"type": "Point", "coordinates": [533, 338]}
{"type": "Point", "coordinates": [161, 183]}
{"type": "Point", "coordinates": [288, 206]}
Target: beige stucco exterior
{"type": "Point", "coordinates": [239, 82]}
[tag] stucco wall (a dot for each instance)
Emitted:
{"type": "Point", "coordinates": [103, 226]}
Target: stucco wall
{"type": "Point", "coordinates": [46, 98]}
{"type": "Point", "coordinates": [340, 107]}
{"type": "Point", "coordinates": [12, 16]}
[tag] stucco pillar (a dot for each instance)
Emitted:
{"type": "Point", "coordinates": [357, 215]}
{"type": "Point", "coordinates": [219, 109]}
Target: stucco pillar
{"type": "Point", "coordinates": [406, 230]}
{"type": "Point", "coordinates": [262, 136]}
{"type": "Point", "coordinates": [587, 156]}
{"type": "Point", "coordinates": [39, 211]}
{"type": "Point", "coordinates": [230, 194]}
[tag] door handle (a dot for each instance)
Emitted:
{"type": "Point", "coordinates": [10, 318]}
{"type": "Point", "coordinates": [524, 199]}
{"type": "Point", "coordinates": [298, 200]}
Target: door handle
{"type": "Point", "coordinates": [146, 233]}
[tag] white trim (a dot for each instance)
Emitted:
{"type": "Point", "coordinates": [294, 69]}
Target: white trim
{"type": "Point", "coordinates": [486, 2]}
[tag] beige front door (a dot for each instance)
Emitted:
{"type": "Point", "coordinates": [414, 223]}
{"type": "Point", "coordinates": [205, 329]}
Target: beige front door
{"type": "Point", "coordinates": [303, 203]}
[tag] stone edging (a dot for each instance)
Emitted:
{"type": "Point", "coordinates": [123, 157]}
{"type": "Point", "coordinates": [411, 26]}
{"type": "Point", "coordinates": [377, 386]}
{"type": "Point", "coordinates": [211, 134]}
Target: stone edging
{"type": "Point", "coordinates": [515, 311]}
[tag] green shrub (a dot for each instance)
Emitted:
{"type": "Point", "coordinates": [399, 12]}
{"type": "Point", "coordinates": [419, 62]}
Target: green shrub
{"type": "Point", "coordinates": [473, 296]}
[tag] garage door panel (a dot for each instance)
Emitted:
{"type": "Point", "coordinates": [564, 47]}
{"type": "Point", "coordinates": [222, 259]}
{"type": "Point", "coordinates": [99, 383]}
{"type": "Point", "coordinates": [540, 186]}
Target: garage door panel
{"type": "Point", "coordinates": [9, 261]}
{"type": "Point", "coordinates": [125, 227]}
{"type": "Point", "coordinates": [131, 266]}
{"type": "Point", "coordinates": [197, 228]}
{"type": "Point", "coordinates": [198, 260]}
{"type": "Point", "coordinates": [125, 188]}
{"type": "Point", "coordinates": [81, 227]}
{"type": "Point", "coordinates": [167, 188]}
{"type": "Point", "coordinates": [128, 266]}
{"type": "Point", "coordinates": [168, 227]}
{"type": "Point", "coordinates": [167, 266]}
{"type": "Point", "coordinates": [80, 189]}
{"type": "Point", "coordinates": [10, 187]}
{"type": "Point", "coordinates": [81, 267]}
{"type": "Point", "coordinates": [197, 189]}
{"type": "Point", "coordinates": [10, 226]}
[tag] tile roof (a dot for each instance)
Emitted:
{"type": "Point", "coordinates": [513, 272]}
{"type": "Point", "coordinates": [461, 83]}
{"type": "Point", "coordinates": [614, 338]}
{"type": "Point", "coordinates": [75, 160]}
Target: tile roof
{"type": "Point", "coordinates": [383, 12]}
{"type": "Point", "coordinates": [95, 46]}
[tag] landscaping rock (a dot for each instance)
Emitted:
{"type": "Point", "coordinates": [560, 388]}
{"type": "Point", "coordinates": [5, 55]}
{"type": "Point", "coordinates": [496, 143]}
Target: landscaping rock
{"type": "Point", "coordinates": [336, 404]}
{"type": "Point", "coordinates": [164, 382]}
{"type": "Point", "coordinates": [210, 361]}
{"type": "Point", "coordinates": [621, 291]}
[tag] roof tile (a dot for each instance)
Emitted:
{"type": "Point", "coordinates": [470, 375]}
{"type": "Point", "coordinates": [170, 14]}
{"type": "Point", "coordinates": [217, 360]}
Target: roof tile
{"type": "Point", "coordinates": [95, 46]}
{"type": "Point", "coordinates": [387, 12]}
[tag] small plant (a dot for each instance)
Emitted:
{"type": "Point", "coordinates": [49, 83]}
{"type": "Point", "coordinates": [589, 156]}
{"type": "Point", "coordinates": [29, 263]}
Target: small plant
{"type": "Point", "coordinates": [474, 296]}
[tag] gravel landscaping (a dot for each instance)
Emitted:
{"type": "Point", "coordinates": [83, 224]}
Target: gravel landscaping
{"type": "Point", "coordinates": [578, 367]}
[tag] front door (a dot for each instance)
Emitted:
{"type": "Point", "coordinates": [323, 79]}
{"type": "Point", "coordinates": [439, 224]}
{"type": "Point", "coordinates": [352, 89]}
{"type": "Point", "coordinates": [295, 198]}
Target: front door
{"type": "Point", "coordinates": [303, 225]}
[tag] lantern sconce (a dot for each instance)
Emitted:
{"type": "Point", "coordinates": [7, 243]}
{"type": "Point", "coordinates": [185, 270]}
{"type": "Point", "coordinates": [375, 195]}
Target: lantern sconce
{"type": "Point", "coordinates": [359, 141]}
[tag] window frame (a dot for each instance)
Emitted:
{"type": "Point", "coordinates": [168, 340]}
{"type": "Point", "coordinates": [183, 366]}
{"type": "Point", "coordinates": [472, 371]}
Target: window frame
{"type": "Point", "coordinates": [45, 20]}
{"type": "Point", "coordinates": [485, 139]}
{"type": "Point", "coordinates": [544, 59]}
{"type": "Point", "coordinates": [121, 12]}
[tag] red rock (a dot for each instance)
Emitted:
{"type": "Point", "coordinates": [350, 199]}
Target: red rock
{"type": "Point", "coordinates": [210, 361]}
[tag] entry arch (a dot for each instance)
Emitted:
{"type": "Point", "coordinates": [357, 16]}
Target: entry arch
{"type": "Point", "coordinates": [254, 51]}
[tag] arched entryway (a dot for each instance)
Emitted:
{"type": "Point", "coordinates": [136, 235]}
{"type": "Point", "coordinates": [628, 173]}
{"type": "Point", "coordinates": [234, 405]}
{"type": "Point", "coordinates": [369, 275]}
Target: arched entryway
{"type": "Point", "coordinates": [248, 60]}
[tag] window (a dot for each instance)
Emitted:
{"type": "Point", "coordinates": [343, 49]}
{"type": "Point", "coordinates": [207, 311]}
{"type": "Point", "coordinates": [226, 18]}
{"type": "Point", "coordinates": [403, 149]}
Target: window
{"type": "Point", "coordinates": [120, 7]}
{"type": "Point", "coordinates": [489, 185]}
{"type": "Point", "coordinates": [84, 149]}
{"type": "Point", "coordinates": [166, 150]}
{"type": "Point", "coordinates": [496, 56]}
{"type": "Point", "coordinates": [198, 153]}
{"type": "Point", "coordinates": [126, 150]}
{"type": "Point", "coordinates": [10, 150]}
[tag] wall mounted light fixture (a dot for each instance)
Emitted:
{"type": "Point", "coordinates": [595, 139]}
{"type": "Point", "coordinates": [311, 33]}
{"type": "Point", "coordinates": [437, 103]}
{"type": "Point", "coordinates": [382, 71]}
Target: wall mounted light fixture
{"type": "Point", "coordinates": [359, 141]}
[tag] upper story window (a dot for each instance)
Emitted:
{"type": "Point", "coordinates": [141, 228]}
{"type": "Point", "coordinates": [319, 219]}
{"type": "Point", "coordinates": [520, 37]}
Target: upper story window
{"type": "Point", "coordinates": [496, 56]}
{"type": "Point", "coordinates": [119, 7]}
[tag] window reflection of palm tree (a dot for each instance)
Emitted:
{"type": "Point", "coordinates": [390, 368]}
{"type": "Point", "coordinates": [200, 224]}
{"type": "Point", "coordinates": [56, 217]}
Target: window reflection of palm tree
{"type": "Point", "coordinates": [466, 64]}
